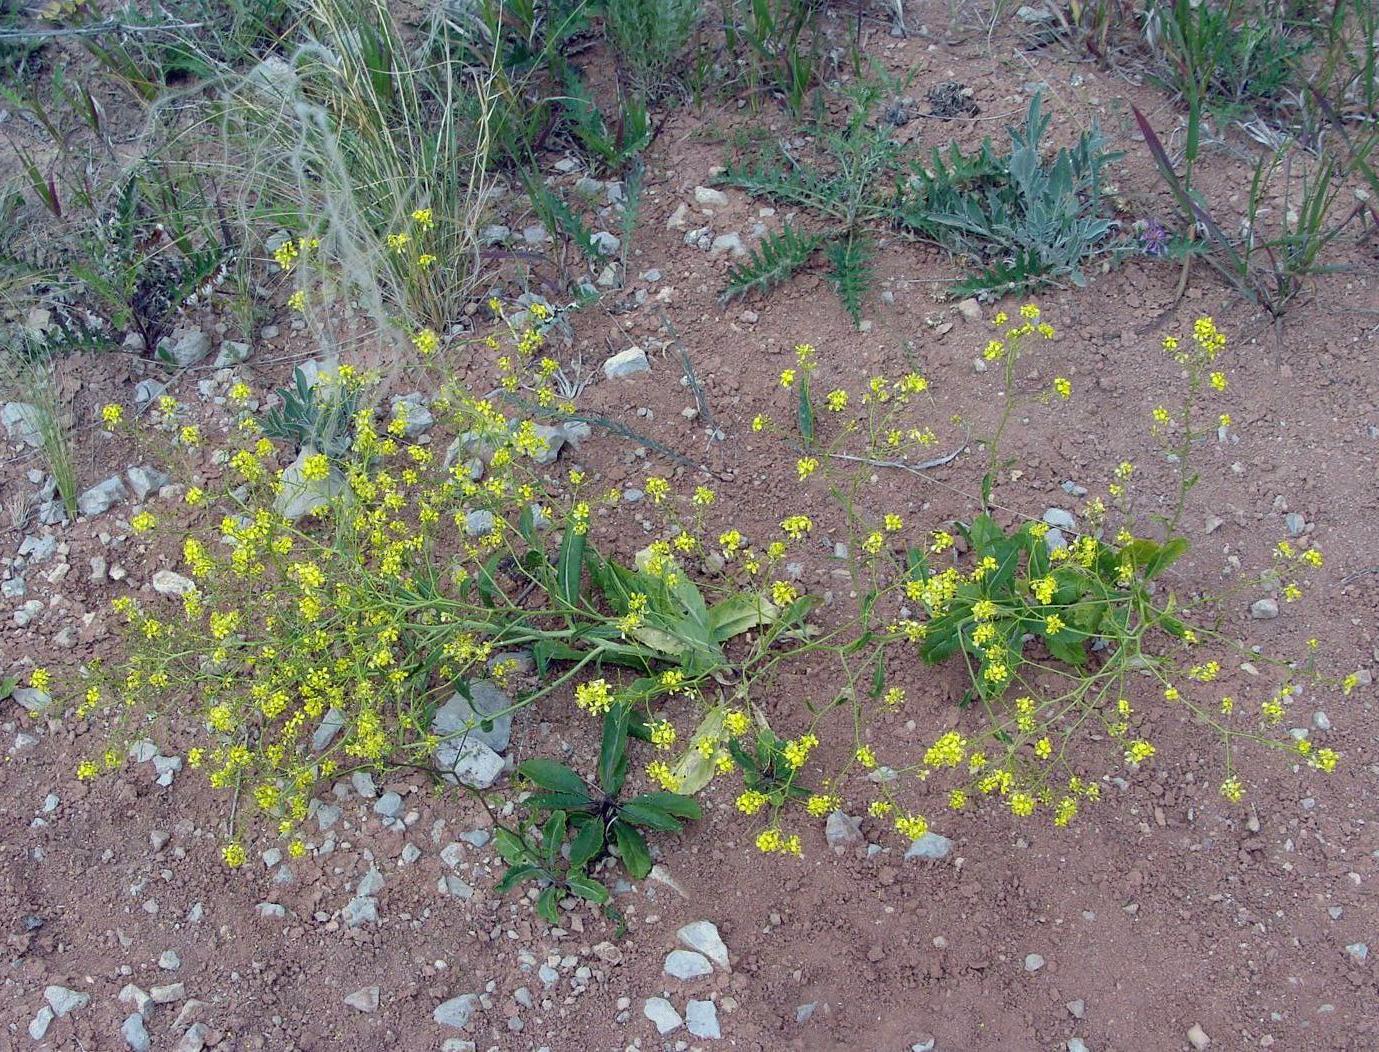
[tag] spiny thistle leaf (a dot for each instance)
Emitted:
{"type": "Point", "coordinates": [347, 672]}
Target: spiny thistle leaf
{"type": "Point", "coordinates": [851, 272]}
{"type": "Point", "coordinates": [771, 263]}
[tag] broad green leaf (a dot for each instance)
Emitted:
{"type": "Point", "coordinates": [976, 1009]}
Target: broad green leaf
{"type": "Point", "coordinates": [546, 906]}
{"type": "Point", "coordinates": [648, 815]}
{"type": "Point", "coordinates": [511, 847]}
{"type": "Point", "coordinates": [805, 411]}
{"type": "Point", "coordinates": [636, 856]}
{"type": "Point", "coordinates": [514, 876]}
{"type": "Point", "coordinates": [552, 836]}
{"type": "Point", "coordinates": [740, 613]}
{"type": "Point", "coordinates": [553, 776]}
{"type": "Point", "coordinates": [570, 564]}
{"type": "Point", "coordinates": [588, 889]}
{"type": "Point", "coordinates": [694, 770]}
{"type": "Point", "coordinates": [1172, 550]}
{"type": "Point", "coordinates": [676, 804]}
{"type": "Point", "coordinates": [587, 845]}
{"type": "Point", "coordinates": [613, 749]}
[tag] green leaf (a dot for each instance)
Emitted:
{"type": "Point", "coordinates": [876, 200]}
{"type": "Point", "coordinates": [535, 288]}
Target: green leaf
{"type": "Point", "coordinates": [569, 564]}
{"type": "Point", "coordinates": [511, 847]}
{"type": "Point", "coordinates": [588, 889]}
{"type": "Point", "coordinates": [693, 770]}
{"type": "Point", "coordinates": [805, 411]}
{"type": "Point", "coordinates": [587, 845]}
{"type": "Point", "coordinates": [676, 804]}
{"type": "Point", "coordinates": [514, 876]}
{"type": "Point", "coordinates": [648, 815]}
{"type": "Point", "coordinates": [546, 906]}
{"type": "Point", "coordinates": [553, 776]}
{"type": "Point", "coordinates": [552, 836]}
{"type": "Point", "coordinates": [558, 802]}
{"type": "Point", "coordinates": [613, 749]}
{"type": "Point", "coordinates": [1171, 551]}
{"type": "Point", "coordinates": [636, 856]}
{"type": "Point", "coordinates": [740, 613]}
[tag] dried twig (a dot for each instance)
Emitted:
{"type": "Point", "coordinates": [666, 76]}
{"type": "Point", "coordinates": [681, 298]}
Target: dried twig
{"type": "Point", "coordinates": [112, 25]}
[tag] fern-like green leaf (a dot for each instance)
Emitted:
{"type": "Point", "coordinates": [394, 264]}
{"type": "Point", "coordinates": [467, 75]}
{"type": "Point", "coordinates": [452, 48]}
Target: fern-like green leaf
{"type": "Point", "coordinates": [850, 273]}
{"type": "Point", "coordinates": [770, 263]}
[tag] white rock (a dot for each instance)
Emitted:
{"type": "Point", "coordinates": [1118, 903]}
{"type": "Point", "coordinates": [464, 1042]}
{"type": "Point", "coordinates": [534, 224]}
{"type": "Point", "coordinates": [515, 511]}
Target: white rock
{"type": "Point", "coordinates": [100, 497]}
{"type": "Point", "coordinates": [472, 763]}
{"type": "Point", "coordinates": [168, 582]}
{"type": "Point", "coordinates": [1197, 1037]}
{"type": "Point", "coordinates": [169, 961]}
{"type": "Point", "coordinates": [663, 1014]}
{"type": "Point", "coordinates": [1061, 519]}
{"type": "Point", "coordinates": [703, 936]}
{"type": "Point", "coordinates": [63, 1000]}
{"type": "Point", "coordinates": [702, 1019]}
{"type": "Point", "coordinates": [184, 347]}
{"type": "Point", "coordinates": [38, 1026]}
{"type": "Point", "coordinates": [730, 243]}
{"type": "Point", "coordinates": [686, 965]}
{"type": "Point", "coordinates": [145, 479]}
{"type": "Point", "coordinates": [1033, 962]}
{"type": "Point", "coordinates": [365, 999]}
{"type": "Point", "coordinates": [626, 363]}
{"type": "Point", "coordinates": [135, 1034]}
{"type": "Point", "coordinates": [300, 496]}
{"type": "Point", "coordinates": [932, 846]}
{"type": "Point", "coordinates": [708, 197]}
{"type": "Point", "coordinates": [166, 995]}
{"type": "Point", "coordinates": [457, 1011]}
{"type": "Point", "coordinates": [970, 309]}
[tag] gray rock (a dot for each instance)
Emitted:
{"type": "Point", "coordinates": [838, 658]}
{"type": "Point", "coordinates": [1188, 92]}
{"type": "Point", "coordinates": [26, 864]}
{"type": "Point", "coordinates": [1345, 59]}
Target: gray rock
{"type": "Point", "coordinates": [31, 699]}
{"type": "Point", "coordinates": [365, 999]}
{"type": "Point", "coordinates": [451, 885]}
{"type": "Point", "coordinates": [169, 961]}
{"type": "Point", "coordinates": [476, 837]}
{"type": "Point", "coordinates": [273, 78]}
{"type": "Point", "coordinates": [477, 522]}
{"type": "Point", "coordinates": [686, 965]}
{"type": "Point", "coordinates": [709, 197]}
{"type": "Point", "coordinates": [135, 1034]}
{"type": "Point", "coordinates": [360, 910]}
{"type": "Point", "coordinates": [232, 352]}
{"type": "Point", "coordinates": [145, 479]}
{"type": "Point", "coordinates": [13, 588]}
{"type": "Point", "coordinates": [1295, 524]}
{"type": "Point", "coordinates": [419, 416]}
{"type": "Point", "coordinates": [702, 1019]}
{"type": "Point", "coordinates": [1055, 541]}
{"type": "Point", "coordinates": [184, 347]}
{"type": "Point", "coordinates": [389, 805]}
{"type": "Point", "coordinates": [481, 717]}
{"type": "Point", "coordinates": [970, 309]}
{"type": "Point", "coordinates": [1076, 1044]}
{"type": "Point", "coordinates": [703, 936]}
{"type": "Point", "coordinates": [1033, 962]}
{"type": "Point", "coordinates": [606, 243]}
{"type": "Point", "coordinates": [1197, 1037]}
{"type": "Point", "coordinates": [495, 234]}
{"type": "Point", "coordinates": [1359, 951]}
{"type": "Point", "coordinates": [1077, 1009]}
{"type": "Point", "coordinates": [327, 815]}
{"type": "Point", "coordinates": [170, 994]}
{"type": "Point", "coordinates": [842, 829]}
{"type": "Point", "coordinates": [457, 1011]}
{"type": "Point", "coordinates": [332, 723]}
{"type": "Point", "coordinates": [146, 391]}
{"type": "Point", "coordinates": [1264, 609]}
{"type": "Point", "coordinates": [38, 1026]}
{"type": "Point", "coordinates": [805, 1012]}
{"type": "Point", "coordinates": [626, 363]}
{"type": "Point", "coordinates": [1061, 519]}
{"type": "Point", "coordinates": [100, 497]}
{"type": "Point", "coordinates": [371, 883]}
{"type": "Point", "coordinates": [555, 438]}
{"type": "Point", "coordinates": [1034, 15]}
{"type": "Point", "coordinates": [35, 550]}
{"type": "Point", "coordinates": [363, 784]}
{"type": "Point", "coordinates": [63, 1000]}
{"type": "Point", "coordinates": [195, 1039]}
{"type": "Point", "coordinates": [925, 1043]}
{"type": "Point", "coordinates": [730, 243]}
{"type": "Point", "coordinates": [168, 582]}
{"type": "Point", "coordinates": [23, 423]}
{"type": "Point", "coordinates": [663, 1014]}
{"type": "Point", "coordinates": [932, 846]}
{"type": "Point", "coordinates": [471, 763]}
{"type": "Point", "coordinates": [300, 496]}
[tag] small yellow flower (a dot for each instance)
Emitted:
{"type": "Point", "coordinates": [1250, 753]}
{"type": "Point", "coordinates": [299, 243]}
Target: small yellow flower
{"type": "Point", "coordinates": [426, 342]}
{"type": "Point", "coordinates": [297, 301]}
{"type": "Point", "coordinates": [143, 522]}
{"type": "Point", "coordinates": [111, 415]}
{"type": "Point", "coordinates": [1063, 386]}
{"type": "Point", "coordinates": [234, 854]}
{"type": "Point", "coordinates": [787, 378]}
